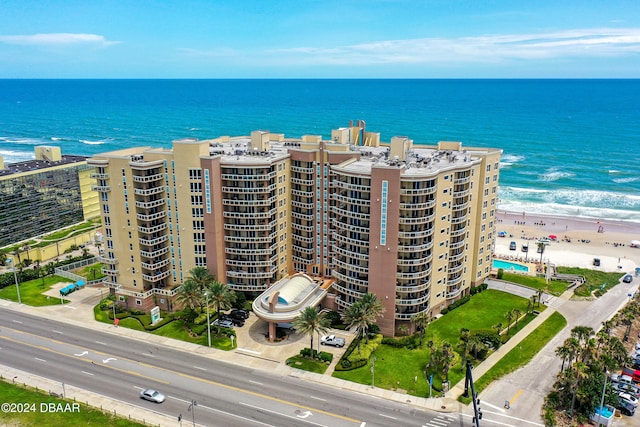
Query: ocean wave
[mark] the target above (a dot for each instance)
(613, 171)
(510, 159)
(88, 142)
(553, 174)
(21, 141)
(11, 156)
(571, 211)
(521, 190)
(623, 180)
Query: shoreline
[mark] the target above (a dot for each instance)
(578, 240)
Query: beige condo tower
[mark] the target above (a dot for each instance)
(413, 224)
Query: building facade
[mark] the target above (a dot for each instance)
(413, 224)
(43, 195)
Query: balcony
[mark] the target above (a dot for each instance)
(300, 181)
(241, 251)
(413, 301)
(351, 254)
(343, 290)
(453, 294)
(462, 180)
(409, 316)
(342, 212)
(110, 271)
(252, 239)
(351, 200)
(258, 275)
(151, 230)
(147, 178)
(155, 265)
(350, 266)
(154, 253)
(415, 234)
(459, 219)
(101, 188)
(253, 177)
(413, 288)
(148, 191)
(154, 241)
(347, 186)
(244, 215)
(247, 264)
(460, 206)
(415, 248)
(417, 220)
(250, 227)
(456, 245)
(418, 191)
(105, 260)
(414, 275)
(250, 190)
(459, 232)
(96, 175)
(151, 217)
(414, 262)
(250, 202)
(156, 277)
(150, 204)
(422, 205)
(352, 280)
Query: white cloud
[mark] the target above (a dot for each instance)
(480, 49)
(57, 39)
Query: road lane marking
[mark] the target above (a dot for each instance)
(184, 375)
(17, 321)
(519, 420)
(101, 343)
(248, 351)
(41, 360)
(297, 418)
(198, 367)
(88, 373)
(388, 416)
(515, 397)
(318, 398)
(255, 382)
(57, 332)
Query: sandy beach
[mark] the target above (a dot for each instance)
(578, 241)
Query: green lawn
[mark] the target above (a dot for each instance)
(401, 368)
(523, 352)
(594, 279)
(31, 291)
(554, 287)
(307, 364)
(90, 272)
(86, 416)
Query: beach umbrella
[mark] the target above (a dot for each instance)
(553, 236)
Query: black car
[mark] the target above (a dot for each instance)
(234, 320)
(626, 408)
(239, 313)
(628, 278)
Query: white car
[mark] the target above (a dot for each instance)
(332, 340)
(152, 395)
(627, 398)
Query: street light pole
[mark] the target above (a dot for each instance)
(15, 278)
(192, 408)
(373, 371)
(206, 295)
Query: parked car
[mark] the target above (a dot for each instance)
(239, 313)
(626, 408)
(596, 262)
(332, 340)
(285, 325)
(627, 279)
(152, 395)
(623, 379)
(628, 398)
(224, 323)
(513, 246)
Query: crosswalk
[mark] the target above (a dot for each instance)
(439, 421)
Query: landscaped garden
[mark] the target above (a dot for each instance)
(472, 330)
(553, 287)
(596, 282)
(32, 291)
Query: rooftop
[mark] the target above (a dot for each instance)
(38, 165)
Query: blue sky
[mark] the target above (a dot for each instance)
(320, 39)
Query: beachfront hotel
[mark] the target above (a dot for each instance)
(40, 196)
(414, 225)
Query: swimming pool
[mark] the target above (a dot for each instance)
(506, 265)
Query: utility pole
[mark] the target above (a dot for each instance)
(468, 384)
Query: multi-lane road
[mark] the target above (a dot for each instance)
(119, 368)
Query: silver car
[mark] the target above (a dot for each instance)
(152, 395)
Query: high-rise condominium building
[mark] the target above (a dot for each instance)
(414, 225)
(43, 195)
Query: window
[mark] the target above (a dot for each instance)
(195, 174)
(195, 187)
(196, 200)
(138, 301)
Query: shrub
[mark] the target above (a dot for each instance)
(444, 310)
(325, 356)
(334, 317)
(202, 318)
(500, 273)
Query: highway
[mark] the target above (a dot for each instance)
(119, 368)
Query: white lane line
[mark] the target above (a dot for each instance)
(439, 423)
(298, 419)
(88, 373)
(318, 398)
(41, 360)
(57, 332)
(198, 367)
(17, 321)
(100, 342)
(255, 382)
(484, 411)
(388, 416)
(221, 412)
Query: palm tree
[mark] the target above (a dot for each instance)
(579, 372)
(564, 352)
(539, 292)
(356, 317)
(310, 321)
(373, 309)
(498, 328)
(200, 277)
(421, 320)
(517, 313)
(541, 248)
(509, 316)
(3, 257)
(476, 345)
(446, 358)
(221, 296)
(432, 350)
(464, 346)
(189, 295)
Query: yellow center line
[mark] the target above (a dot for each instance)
(515, 397)
(192, 377)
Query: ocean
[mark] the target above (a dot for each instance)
(570, 147)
